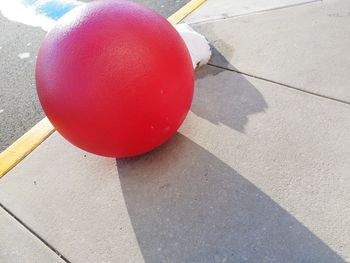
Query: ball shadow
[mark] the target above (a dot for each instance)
(186, 205)
(225, 97)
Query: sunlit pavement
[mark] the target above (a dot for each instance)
(259, 171)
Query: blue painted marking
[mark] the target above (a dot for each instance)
(42, 13)
(53, 9)
(29, 2)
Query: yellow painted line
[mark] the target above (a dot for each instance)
(185, 11)
(24, 145)
(10, 157)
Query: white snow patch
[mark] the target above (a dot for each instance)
(16, 11)
(24, 55)
(197, 44)
(1, 111)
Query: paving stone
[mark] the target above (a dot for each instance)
(304, 46)
(73, 200)
(221, 9)
(257, 173)
(17, 244)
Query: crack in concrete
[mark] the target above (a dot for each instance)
(283, 84)
(35, 234)
(215, 19)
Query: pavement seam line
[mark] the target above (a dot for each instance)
(209, 20)
(282, 84)
(23, 146)
(35, 234)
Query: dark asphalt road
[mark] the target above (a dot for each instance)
(19, 106)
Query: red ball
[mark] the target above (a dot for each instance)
(114, 78)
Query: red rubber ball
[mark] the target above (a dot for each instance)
(114, 78)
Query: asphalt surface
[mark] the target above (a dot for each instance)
(19, 106)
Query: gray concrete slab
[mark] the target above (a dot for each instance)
(303, 46)
(222, 9)
(17, 244)
(258, 173)
(76, 206)
(165, 7)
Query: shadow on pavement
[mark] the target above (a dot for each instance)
(229, 101)
(186, 205)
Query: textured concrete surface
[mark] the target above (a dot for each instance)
(258, 173)
(222, 9)
(17, 244)
(74, 201)
(19, 107)
(304, 46)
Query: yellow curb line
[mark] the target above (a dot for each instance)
(15, 153)
(24, 145)
(185, 11)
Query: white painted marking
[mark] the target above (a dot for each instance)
(24, 55)
(28, 44)
(1, 111)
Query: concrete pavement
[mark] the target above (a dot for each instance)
(215, 192)
(304, 46)
(218, 10)
(19, 245)
(259, 172)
